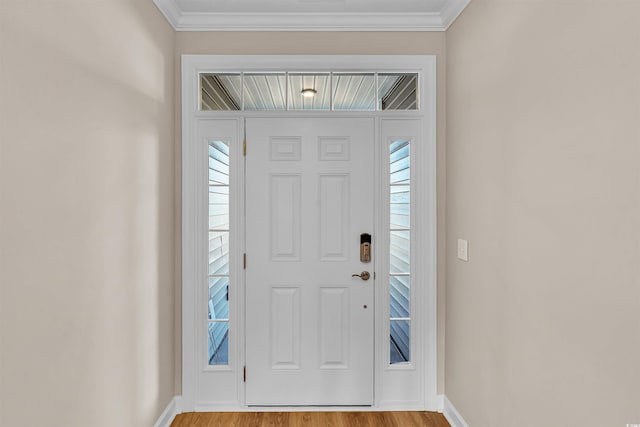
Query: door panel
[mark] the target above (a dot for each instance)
(309, 196)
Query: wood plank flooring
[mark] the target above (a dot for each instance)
(310, 419)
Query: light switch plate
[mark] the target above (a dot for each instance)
(463, 250)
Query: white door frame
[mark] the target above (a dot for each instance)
(387, 377)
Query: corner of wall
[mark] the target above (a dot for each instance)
(451, 413)
(169, 414)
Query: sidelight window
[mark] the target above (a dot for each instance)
(399, 251)
(218, 261)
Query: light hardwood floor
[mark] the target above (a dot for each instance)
(310, 419)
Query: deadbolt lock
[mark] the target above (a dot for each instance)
(365, 247)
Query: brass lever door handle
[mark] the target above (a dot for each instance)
(364, 275)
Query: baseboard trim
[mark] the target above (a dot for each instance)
(443, 403)
(169, 413)
(451, 413)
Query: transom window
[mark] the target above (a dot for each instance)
(323, 91)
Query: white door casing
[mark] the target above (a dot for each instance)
(207, 388)
(309, 323)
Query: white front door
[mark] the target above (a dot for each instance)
(309, 323)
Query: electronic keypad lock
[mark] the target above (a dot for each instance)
(365, 247)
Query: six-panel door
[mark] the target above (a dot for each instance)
(309, 197)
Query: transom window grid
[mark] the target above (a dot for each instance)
(399, 251)
(218, 259)
(334, 91)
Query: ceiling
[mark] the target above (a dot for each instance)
(311, 15)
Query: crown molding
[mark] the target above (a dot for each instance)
(451, 10)
(170, 10)
(208, 21)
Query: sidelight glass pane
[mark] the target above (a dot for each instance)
(219, 196)
(400, 221)
(220, 92)
(399, 252)
(400, 162)
(399, 341)
(218, 298)
(400, 212)
(398, 91)
(218, 343)
(400, 194)
(218, 163)
(400, 301)
(218, 208)
(218, 253)
(400, 207)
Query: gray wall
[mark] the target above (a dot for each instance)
(543, 178)
(541, 122)
(86, 226)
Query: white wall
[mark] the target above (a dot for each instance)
(86, 226)
(543, 178)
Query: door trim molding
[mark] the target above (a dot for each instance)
(191, 189)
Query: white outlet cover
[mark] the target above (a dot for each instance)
(463, 250)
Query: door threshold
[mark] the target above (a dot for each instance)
(311, 408)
